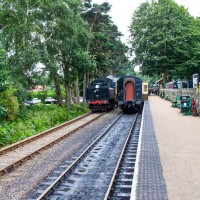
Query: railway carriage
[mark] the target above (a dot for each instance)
(129, 94)
(101, 95)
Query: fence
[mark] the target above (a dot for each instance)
(171, 94)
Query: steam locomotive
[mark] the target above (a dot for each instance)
(101, 95)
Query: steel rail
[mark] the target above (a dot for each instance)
(50, 189)
(17, 163)
(39, 135)
(108, 193)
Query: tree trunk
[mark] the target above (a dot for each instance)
(88, 79)
(77, 92)
(72, 96)
(166, 78)
(67, 97)
(84, 89)
(86, 74)
(58, 91)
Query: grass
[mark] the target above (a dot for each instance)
(35, 119)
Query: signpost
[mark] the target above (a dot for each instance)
(195, 80)
(196, 96)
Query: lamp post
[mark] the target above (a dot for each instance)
(180, 87)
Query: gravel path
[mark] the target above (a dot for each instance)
(18, 184)
(178, 139)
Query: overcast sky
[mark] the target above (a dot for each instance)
(122, 10)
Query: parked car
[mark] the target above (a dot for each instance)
(33, 101)
(50, 100)
(63, 101)
(25, 103)
(74, 100)
(81, 99)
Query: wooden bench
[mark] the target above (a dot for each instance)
(176, 102)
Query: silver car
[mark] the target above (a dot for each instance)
(33, 101)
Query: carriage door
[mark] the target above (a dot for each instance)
(129, 96)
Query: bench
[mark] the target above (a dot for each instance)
(186, 105)
(162, 94)
(166, 97)
(176, 102)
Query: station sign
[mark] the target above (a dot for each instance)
(195, 80)
(144, 88)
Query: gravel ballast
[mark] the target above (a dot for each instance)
(20, 183)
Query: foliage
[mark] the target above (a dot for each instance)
(3, 70)
(20, 92)
(57, 42)
(41, 95)
(9, 106)
(35, 119)
(105, 45)
(47, 32)
(165, 39)
(44, 94)
(18, 31)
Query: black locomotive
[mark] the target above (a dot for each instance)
(129, 94)
(101, 94)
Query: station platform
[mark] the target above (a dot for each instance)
(168, 163)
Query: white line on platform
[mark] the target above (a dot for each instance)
(135, 177)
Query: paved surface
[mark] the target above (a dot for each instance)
(150, 181)
(170, 154)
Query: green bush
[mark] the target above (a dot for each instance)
(9, 104)
(44, 94)
(35, 119)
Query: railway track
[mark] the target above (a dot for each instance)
(95, 171)
(121, 182)
(15, 155)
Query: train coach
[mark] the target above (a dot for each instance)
(129, 94)
(101, 95)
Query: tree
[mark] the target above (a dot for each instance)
(105, 46)
(59, 24)
(164, 39)
(3, 70)
(18, 38)
(51, 39)
(50, 32)
(9, 106)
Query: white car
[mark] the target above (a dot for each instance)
(50, 100)
(33, 101)
(81, 99)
